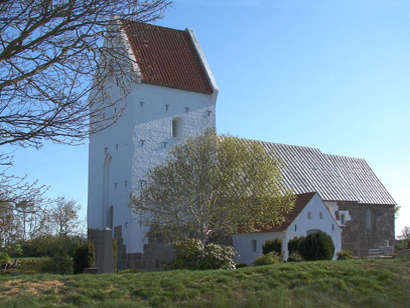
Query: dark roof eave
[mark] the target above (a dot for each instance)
(175, 87)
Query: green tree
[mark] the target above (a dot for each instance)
(212, 185)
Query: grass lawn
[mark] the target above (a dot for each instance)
(351, 283)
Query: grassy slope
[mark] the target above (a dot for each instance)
(353, 283)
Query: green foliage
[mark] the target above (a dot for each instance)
(59, 263)
(317, 246)
(192, 255)
(344, 255)
(369, 283)
(84, 257)
(293, 244)
(129, 271)
(295, 257)
(213, 185)
(268, 259)
(240, 265)
(272, 245)
(48, 245)
(4, 257)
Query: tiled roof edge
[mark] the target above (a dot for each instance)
(203, 60)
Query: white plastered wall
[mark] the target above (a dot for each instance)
(243, 242)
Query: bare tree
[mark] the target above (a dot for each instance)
(49, 52)
(63, 218)
(22, 209)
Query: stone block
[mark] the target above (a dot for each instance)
(147, 256)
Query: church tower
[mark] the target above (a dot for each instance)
(172, 100)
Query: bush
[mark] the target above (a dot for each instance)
(345, 255)
(239, 265)
(84, 257)
(272, 245)
(293, 244)
(268, 259)
(190, 254)
(60, 263)
(4, 257)
(295, 257)
(317, 246)
(48, 245)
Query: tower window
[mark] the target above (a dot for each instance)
(309, 215)
(176, 127)
(320, 215)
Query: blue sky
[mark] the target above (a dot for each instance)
(328, 74)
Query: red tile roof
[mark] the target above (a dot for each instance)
(167, 57)
(301, 201)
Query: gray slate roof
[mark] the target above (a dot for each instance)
(334, 178)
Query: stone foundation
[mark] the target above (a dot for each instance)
(155, 253)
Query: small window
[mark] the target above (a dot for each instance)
(176, 128)
(333, 227)
(343, 218)
(296, 228)
(320, 215)
(309, 215)
(254, 245)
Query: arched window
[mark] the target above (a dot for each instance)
(110, 217)
(176, 127)
(311, 231)
(369, 220)
(106, 190)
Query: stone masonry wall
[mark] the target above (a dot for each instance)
(356, 238)
(156, 252)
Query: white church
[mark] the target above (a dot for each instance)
(174, 99)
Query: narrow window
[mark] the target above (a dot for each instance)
(369, 221)
(320, 215)
(254, 245)
(333, 227)
(342, 218)
(296, 228)
(176, 128)
(309, 215)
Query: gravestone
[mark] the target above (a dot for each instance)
(387, 250)
(106, 254)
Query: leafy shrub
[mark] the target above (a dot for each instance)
(4, 257)
(317, 246)
(239, 265)
(60, 263)
(84, 257)
(408, 244)
(295, 257)
(48, 245)
(272, 245)
(129, 271)
(271, 258)
(345, 255)
(293, 244)
(191, 254)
